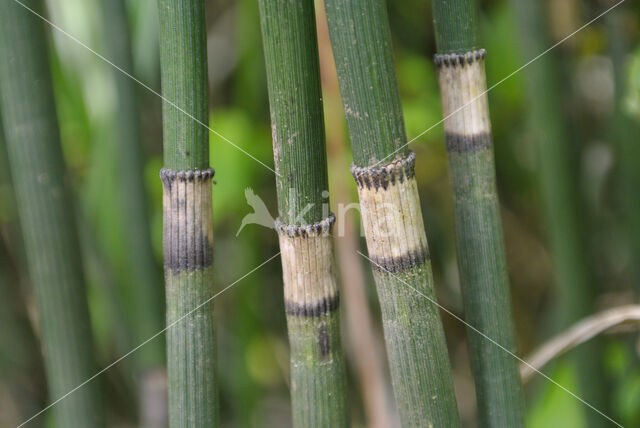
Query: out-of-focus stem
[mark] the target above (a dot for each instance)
(148, 297)
(46, 215)
(559, 190)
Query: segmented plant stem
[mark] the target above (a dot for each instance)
(318, 384)
(188, 226)
(46, 215)
(478, 228)
(390, 205)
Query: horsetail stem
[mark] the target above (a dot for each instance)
(188, 225)
(478, 227)
(46, 217)
(391, 213)
(318, 382)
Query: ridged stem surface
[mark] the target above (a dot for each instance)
(560, 195)
(183, 69)
(46, 216)
(361, 42)
(147, 294)
(624, 131)
(390, 206)
(295, 105)
(399, 254)
(318, 379)
(21, 368)
(455, 25)
(188, 225)
(481, 256)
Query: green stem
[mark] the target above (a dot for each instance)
(48, 224)
(188, 226)
(183, 69)
(20, 359)
(478, 228)
(392, 217)
(361, 41)
(318, 379)
(624, 131)
(455, 25)
(148, 298)
(559, 190)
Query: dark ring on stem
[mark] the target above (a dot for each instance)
(454, 59)
(169, 176)
(322, 227)
(401, 263)
(376, 177)
(457, 143)
(313, 309)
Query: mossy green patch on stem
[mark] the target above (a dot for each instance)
(317, 371)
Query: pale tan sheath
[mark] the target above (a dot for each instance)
(310, 287)
(391, 215)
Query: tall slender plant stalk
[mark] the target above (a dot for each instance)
(318, 383)
(364, 343)
(188, 225)
(478, 227)
(148, 297)
(384, 172)
(48, 224)
(559, 191)
(20, 360)
(19, 353)
(624, 131)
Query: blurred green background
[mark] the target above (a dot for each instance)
(252, 342)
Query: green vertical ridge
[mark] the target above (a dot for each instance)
(187, 237)
(455, 25)
(318, 378)
(416, 347)
(21, 368)
(183, 58)
(295, 98)
(148, 317)
(485, 289)
(361, 42)
(46, 216)
(560, 197)
(624, 132)
(479, 241)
